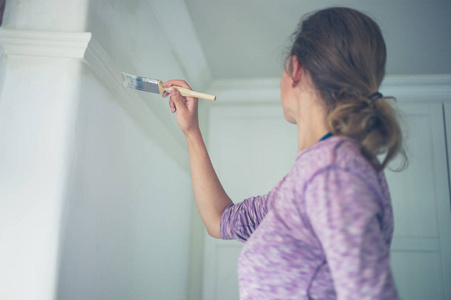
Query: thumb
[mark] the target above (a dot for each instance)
(177, 98)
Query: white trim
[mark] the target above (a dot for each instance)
(418, 87)
(404, 87)
(103, 66)
(444, 208)
(47, 44)
(2, 70)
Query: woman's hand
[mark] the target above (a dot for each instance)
(186, 107)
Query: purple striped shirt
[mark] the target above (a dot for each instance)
(323, 232)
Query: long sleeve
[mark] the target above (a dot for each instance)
(345, 214)
(238, 221)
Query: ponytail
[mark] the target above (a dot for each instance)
(372, 121)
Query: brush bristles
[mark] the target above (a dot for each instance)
(141, 83)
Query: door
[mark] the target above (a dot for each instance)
(421, 243)
(253, 147)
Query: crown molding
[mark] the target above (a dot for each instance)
(41, 43)
(428, 87)
(103, 66)
(84, 47)
(436, 87)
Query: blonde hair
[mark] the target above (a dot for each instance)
(344, 52)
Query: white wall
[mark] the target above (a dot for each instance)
(95, 198)
(128, 209)
(157, 39)
(47, 15)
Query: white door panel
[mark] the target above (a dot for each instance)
(420, 195)
(253, 147)
(417, 274)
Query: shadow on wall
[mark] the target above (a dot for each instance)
(2, 9)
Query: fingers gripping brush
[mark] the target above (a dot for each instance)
(156, 86)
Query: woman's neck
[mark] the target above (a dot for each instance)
(309, 137)
(312, 126)
(311, 113)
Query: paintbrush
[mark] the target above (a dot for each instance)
(156, 86)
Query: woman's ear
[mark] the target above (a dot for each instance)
(297, 71)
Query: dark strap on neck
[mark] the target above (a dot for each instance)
(328, 135)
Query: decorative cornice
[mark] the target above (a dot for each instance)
(47, 44)
(404, 87)
(103, 66)
(418, 87)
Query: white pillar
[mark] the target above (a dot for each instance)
(38, 104)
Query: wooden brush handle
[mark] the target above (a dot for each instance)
(190, 93)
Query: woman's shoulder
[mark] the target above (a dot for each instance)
(335, 152)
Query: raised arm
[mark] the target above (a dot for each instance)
(210, 197)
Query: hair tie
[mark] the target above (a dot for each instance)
(374, 97)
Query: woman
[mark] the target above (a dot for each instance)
(324, 231)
